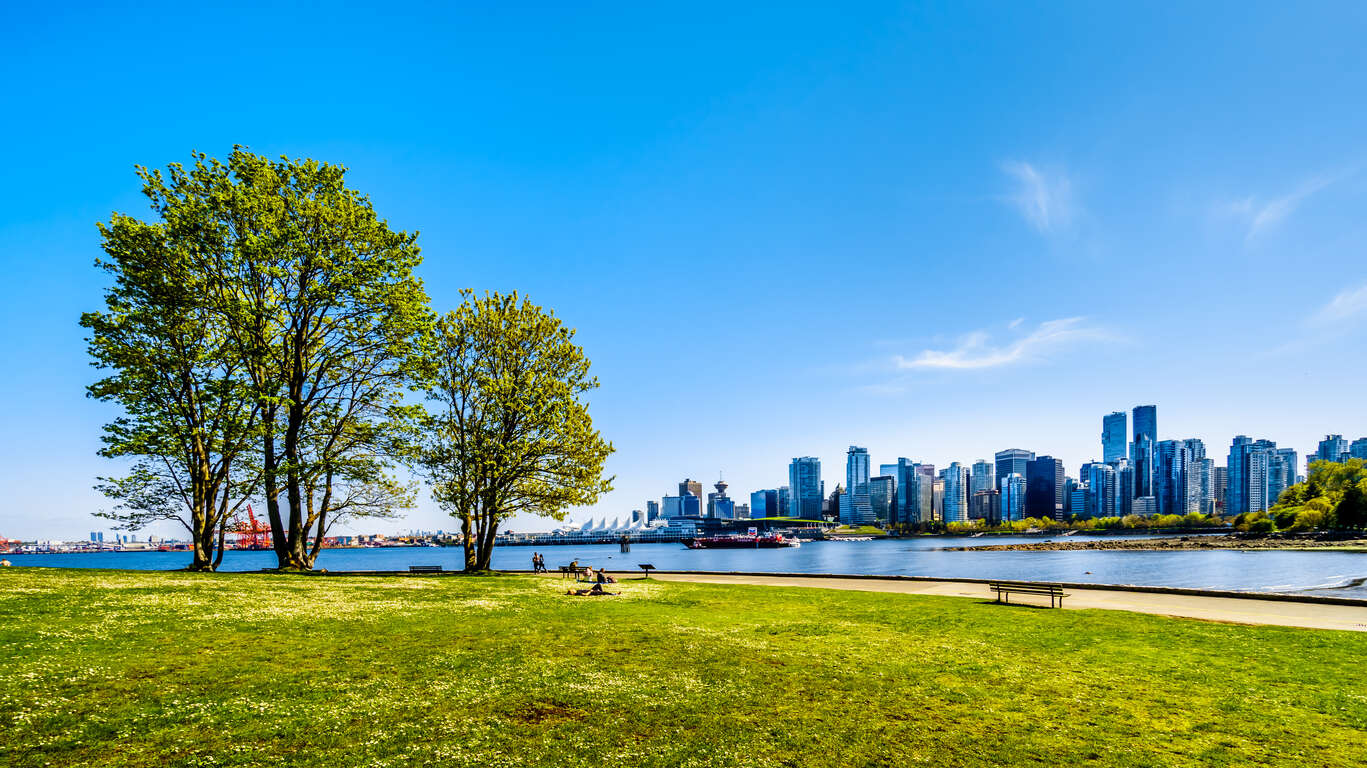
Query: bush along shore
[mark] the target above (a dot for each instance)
(1320, 540)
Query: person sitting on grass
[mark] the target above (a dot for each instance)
(594, 591)
(604, 578)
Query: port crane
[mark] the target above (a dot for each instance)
(252, 533)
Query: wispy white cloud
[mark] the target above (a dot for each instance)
(1344, 307)
(1263, 215)
(1044, 199)
(976, 350)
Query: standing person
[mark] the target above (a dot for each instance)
(540, 563)
(536, 564)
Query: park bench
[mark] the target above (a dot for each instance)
(1054, 591)
(424, 569)
(566, 571)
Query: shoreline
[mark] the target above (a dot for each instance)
(1233, 542)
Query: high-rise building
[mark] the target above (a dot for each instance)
(985, 505)
(1103, 490)
(1145, 506)
(764, 504)
(1146, 421)
(1281, 473)
(937, 489)
(718, 504)
(905, 502)
(785, 501)
(1358, 450)
(1079, 500)
(1250, 467)
(955, 478)
(1013, 497)
(686, 505)
(1012, 461)
(1203, 474)
(984, 477)
(742, 511)
(915, 492)
(690, 486)
(1124, 480)
(652, 511)
(1114, 441)
(1221, 486)
(1044, 488)
(887, 470)
(1171, 470)
(855, 507)
(1332, 448)
(804, 478)
(883, 498)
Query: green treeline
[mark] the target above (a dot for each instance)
(1334, 497)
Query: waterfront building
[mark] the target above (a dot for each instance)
(690, 486)
(1281, 473)
(1145, 506)
(904, 506)
(887, 470)
(937, 488)
(638, 517)
(883, 498)
(985, 505)
(1124, 477)
(785, 501)
(955, 479)
(1012, 461)
(1103, 491)
(1250, 466)
(742, 511)
(1358, 450)
(916, 493)
(1114, 440)
(832, 508)
(1012, 495)
(680, 506)
(719, 506)
(652, 511)
(804, 478)
(984, 477)
(764, 503)
(1221, 486)
(1332, 448)
(1203, 473)
(1146, 422)
(1079, 500)
(1171, 469)
(855, 506)
(1044, 488)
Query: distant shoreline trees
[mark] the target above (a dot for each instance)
(260, 335)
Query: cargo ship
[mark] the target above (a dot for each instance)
(741, 542)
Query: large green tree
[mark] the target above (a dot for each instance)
(320, 309)
(510, 432)
(187, 416)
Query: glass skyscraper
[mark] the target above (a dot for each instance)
(1012, 461)
(855, 507)
(1044, 488)
(1013, 497)
(804, 483)
(1114, 440)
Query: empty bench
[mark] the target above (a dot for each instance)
(424, 569)
(1006, 588)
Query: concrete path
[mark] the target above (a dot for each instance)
(1229, 609)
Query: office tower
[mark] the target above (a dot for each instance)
(638, 516)
(1200, 479)
(742, 511)
(690, 486)
(1044, 488)
(1145, 506)
(955, 478)
(1013, 497)
(1079, 500)
(1114, 441)
(785, 501)
(1142, 459)
(887, 470)
(652, 511)
(1146, 422)
(984, 477)
(1281, 473)
(985, 505)
(937, 489)
(1221, 489)
(1124, 484)
(905, 505)
(1358, 450)
(832, 508)
(804, 478)
(680, 506)
(764, 504)
(883, 497)
(1251, 463)
(1170, 477)
(1012, 461)
(1204, 472)
(920, 494)
(855, 507)
(1103, 491)
(1069, 484)
(1332, 448)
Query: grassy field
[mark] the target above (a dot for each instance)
(152, 669)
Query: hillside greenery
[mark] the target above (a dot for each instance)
(1333, 497)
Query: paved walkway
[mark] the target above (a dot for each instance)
(1230, 609)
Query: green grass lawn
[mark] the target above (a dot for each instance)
(152, 669)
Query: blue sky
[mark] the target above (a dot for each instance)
(933, 231)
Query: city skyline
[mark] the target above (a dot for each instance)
(926, 232)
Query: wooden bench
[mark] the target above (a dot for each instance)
(1054, 591)
(566, 571)
(424, 569)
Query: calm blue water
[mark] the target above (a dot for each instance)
(1331, 573)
